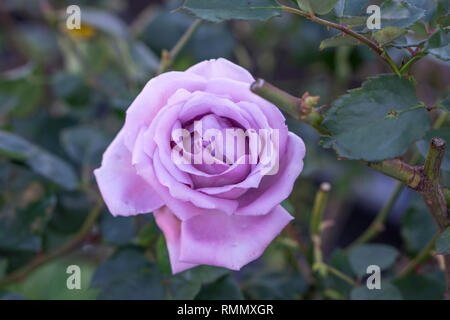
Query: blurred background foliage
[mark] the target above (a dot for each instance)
(63, 94)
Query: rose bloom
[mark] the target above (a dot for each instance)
(221, 214)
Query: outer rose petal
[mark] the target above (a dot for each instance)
(171, 227)
(229, 241)
(221, 68)
(153, 97)
(125, 193)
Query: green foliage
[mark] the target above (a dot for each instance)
(365, 255)
(424, 144)
(117, 230)
(350, 8)
(378, 121)
(387, 292)
(225, 288)
(399, 14)
(37, 159)
(428, 286)
(338, 41)
(388, 35)
(439, 45)
(217, 10)
(418, 227)
(443, 243)
(22, 231)
(317, 6)
(276, 286)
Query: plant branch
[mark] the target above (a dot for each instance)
(377, 224)
(371, 44)
(423, 255)
(290, 104)
(68, 246)
(167, 57)
(320, 202)
(405, 68)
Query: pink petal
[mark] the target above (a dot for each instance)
(229, 241)
(171, 227)
(274, 189)
(125, 193)
(221, 68)
(153, 97)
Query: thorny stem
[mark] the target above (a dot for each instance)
(432, 194)
(71, 244)
(167, 57)
(320, 202)
(377, 225)
(290, 104)
(371, 44)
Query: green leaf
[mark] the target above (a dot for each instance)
(144, 285)
(276, 286)
(226, 288)
(424, 144)
(350, 8)
(399, 14)
(39, 160)
(120, 265)
(378, 121)
(417, 227)
(53, 277)
(219, 10)
(187, 284)
(71, 88)
(3, 266)
(387, 292)
(317, 6)
(388, 34)
(365, 255)
(422, 287)
(84, 144)
(339, 260)
(117, 230)
(22, 90)
(206, 274)
(182, 288)
(148, 234)
(163, 256)
(22, 230)
(338, 41)
(439, 45)
(429, 6)
(443, 243)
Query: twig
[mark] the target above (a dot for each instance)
(71, 244)
(167, 57)
(377, 224)
(341, 275)
(292, 105)
(423, 255)
(371, 44)
(320, 202)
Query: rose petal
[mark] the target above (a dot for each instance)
(153, 97)
(274, 189)
(171, 227)
(221, 68)
(229, 241)
(125, 193)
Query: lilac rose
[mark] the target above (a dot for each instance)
(223, 212)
